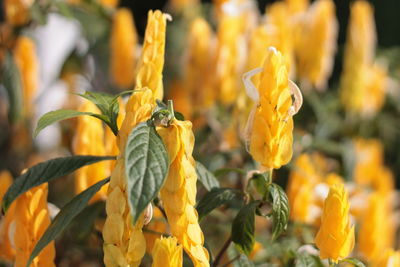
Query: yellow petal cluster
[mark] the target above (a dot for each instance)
(179, 191)
(369, 169)
(122, 48)
(315, 52)
(302, 181)
(167, 253)
(296, 6)
(152, 59)
(31, 218)
(271, 136)
(276, 32)
(28, 66)
(377, 228)
(230, 61)
(335, 238)
(363, 82)
(7, 251)
(124, 243)
(89, 140)
(390, 258)
(17, 11)
(197, 74)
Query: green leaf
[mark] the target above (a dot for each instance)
(207, 179)
(65, 216)
(146, 167)
(280, 209)
(55, 116)
(243, 228)
(12, 83)
(45, 172)
(354, 261)
(101, 100)
(308, 260)
(216, 198)
(108, 106)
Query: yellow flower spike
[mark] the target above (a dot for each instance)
(198, 76)
(335, 238)
(123, 47)
(231, 44)
(280, 31)
(317, 45)
(369, 169)
(152, 59)
(275, 32)
(124, 243)
(31, 218)
(389, 258)
(7, 251)
(89, 140)
(375, 89)
(271, 124)
(17, 11)
(369, 156)
(377, 228)
(363, 83)
(296, 6)
(167, 253)
(28, 66)
(179, 191)
(302, 182)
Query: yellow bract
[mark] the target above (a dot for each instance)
(197, 74)
(363, 82)
(231, 45)
(317, 44)
(89, 140)
(271, 136)
(124, 243)
(167, 253)
(377, 228)
(31, 217)
(28, 66)
(296, 6)
(179, 191)
(335, 238)
(123, 48)
(152, 59)
(302, 181)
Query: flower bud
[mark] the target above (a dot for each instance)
(335, 238)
